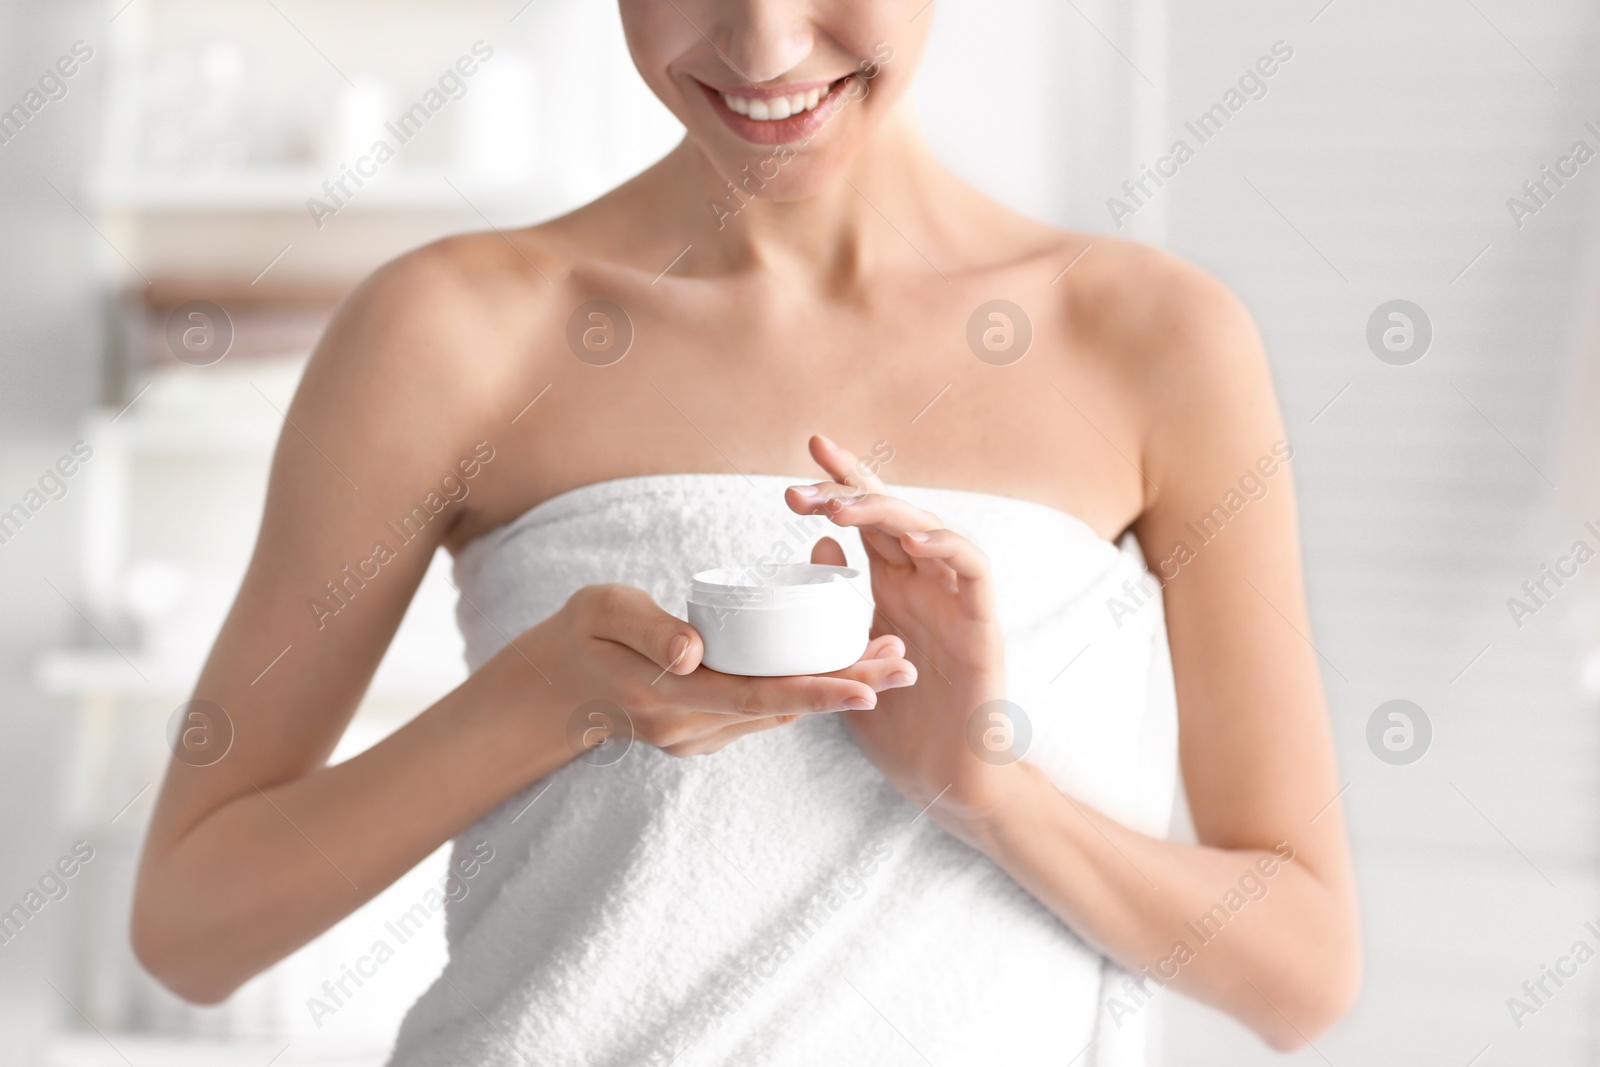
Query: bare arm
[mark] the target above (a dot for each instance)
(1259, 918)
(264, 849)
(253, 856)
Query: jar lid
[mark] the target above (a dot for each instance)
(765, 585)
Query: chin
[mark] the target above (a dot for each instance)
(782, 174)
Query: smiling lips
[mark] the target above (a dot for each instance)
(769, 109)
(776, 116)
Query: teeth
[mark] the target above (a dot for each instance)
(769, 109)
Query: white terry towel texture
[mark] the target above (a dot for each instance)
(778, 903)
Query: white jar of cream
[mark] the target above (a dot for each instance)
(797, 618)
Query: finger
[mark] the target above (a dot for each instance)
(843, 465)
(936, 571)
(817, 500)
(827, 551)
(888, 673)
(964, 558)
(885, 646)
(855, 688)
(721, 737)
(761, 698)
(848, 507)
(627, 616)
(882, 519)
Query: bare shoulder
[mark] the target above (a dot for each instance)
(1159, 314)
(448, 316)
(1182, 347)
(415, 373)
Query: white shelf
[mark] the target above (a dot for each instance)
(288, 189)
(250, 437)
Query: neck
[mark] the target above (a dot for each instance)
(862, 218)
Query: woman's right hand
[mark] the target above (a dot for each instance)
(614, 643)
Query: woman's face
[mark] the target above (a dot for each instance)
(780, 95)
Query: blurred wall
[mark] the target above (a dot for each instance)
(50, 333)
(1031, 101)
(1379, 167)
(49, 293)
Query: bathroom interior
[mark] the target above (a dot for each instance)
(192, 160)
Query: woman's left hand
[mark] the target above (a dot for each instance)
(933, 589)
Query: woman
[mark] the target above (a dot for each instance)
(855, 867)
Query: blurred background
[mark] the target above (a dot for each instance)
(1407, 204)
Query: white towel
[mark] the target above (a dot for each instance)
(778, 902)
